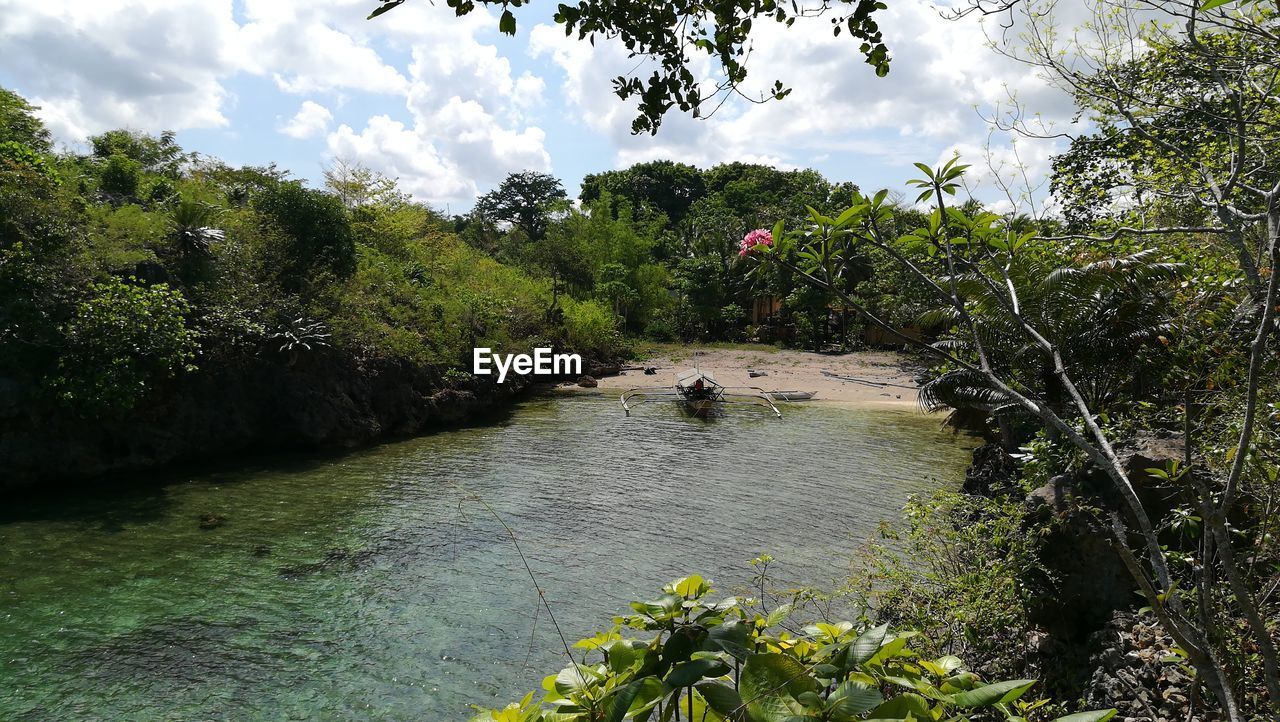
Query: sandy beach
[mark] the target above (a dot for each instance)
(883, 375)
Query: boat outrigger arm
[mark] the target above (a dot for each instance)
(699, 392)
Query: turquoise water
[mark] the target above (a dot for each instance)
(374, 585)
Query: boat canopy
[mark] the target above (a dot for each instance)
(687, 379)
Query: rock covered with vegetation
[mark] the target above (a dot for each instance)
(158, 305)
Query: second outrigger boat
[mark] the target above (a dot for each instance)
(699, 393)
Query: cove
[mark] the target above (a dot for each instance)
(374, 585)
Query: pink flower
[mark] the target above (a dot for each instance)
(758, 237)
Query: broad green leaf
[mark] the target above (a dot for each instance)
(690, 587)
(868, 643)
(722, 698)
(769, 684)
(732, 637)
(507, 23)
(600, 640)
(622, 655)
(1095, 716)
(571, 680)
(685, 674)
(778, 615)
(997, 693)
(636, 694)
(902, 706)
(851, 699)
(1214, 4)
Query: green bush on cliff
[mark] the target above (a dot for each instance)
(122, 339)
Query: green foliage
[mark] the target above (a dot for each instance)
(17, 153)
(963, 571)
(591, 327)
(191, 229)
(121, 340)
(720, 29)
(523, 200)
(734, 660)
(659, 187)
(120, 177)
(19, 124)
(155, 154)
(315, 235)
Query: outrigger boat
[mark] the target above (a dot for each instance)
(699, 393)
(792, 395)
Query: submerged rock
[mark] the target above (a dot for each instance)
(209, 520)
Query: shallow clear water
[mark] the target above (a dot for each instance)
(374, 585)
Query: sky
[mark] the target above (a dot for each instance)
(449, 107)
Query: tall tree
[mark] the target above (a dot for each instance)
(524, 200)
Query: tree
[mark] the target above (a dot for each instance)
(356, 184)
(19, 124)
(672, 36)
(192, 231)
(154, 154)
(1187, 107)
(564, 255)
(316, 233)
(524, 200)
(965, 262)
(659, 186)
(121, 338)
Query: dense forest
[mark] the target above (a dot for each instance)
(138, 264)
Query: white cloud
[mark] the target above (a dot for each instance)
(468, 109)
(388, 146)
(942, 70)
(310, 47)
(148, 64)
(470, 114)
(311, 120)
(167, 64)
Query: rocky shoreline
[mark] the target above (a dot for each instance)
(1090, 640)
(326, 400)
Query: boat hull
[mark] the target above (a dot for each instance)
(698, 407)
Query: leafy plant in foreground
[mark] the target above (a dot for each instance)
(728, 661)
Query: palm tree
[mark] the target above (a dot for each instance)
(1102, 316)
(190, 228)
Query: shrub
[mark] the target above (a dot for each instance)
(733, 660)
(958, 573)
(121, 338)
(592, 328)
(315, 235)
(120, 177)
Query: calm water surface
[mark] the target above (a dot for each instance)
(375, 586)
